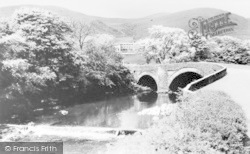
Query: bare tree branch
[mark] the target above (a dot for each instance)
(81, 31)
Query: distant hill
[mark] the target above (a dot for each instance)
(180, 20)
(138, 28)
(96, 22)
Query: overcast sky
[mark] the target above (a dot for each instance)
(137, 8)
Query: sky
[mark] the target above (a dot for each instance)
(137, 8)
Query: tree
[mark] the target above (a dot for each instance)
(39, 63)
(102, 68)
(35, 58)
(167, 44)
(35, 48)
(202, 48)
(81, 31)
(230, 50)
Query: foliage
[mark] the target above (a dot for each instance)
(101, 40)
(167, 44)
(81, 31)
(202, 50)
(173, 45)
(206, 122)
(39, 61)
(230, 50)
(35, 49)
(102, 71)
(39, 49)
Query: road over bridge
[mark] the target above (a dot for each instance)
(171, 77)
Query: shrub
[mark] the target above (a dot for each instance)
(230, 50)
(206, 122)
(202, 50)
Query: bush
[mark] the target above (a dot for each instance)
(202, 50)
(206, 122)
(230, 50)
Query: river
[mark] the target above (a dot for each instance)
(123, 111)
(116, 112)
(69, 124)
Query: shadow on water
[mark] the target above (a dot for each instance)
(110, 112)
(149, 97)
(15, 113)
(117, 111)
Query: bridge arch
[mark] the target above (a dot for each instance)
(149, 80)
(183, 77)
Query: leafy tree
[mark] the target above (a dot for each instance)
(202, 50)
(35, 48)
(102, 68)
(167, 44)
(40, 62)
(230, 50)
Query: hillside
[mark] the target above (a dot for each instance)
(138, 28)
(96, 22)
(180, 20)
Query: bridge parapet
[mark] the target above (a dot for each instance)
(205, 67)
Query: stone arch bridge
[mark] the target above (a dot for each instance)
(171, 77)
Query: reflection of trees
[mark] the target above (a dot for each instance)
(111, 112)
(15, 112)
(150, 98)
(102, 113)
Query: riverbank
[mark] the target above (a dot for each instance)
(202, 122)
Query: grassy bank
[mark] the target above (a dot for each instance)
(205, 122)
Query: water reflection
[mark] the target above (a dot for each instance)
(111, 112)
(150, 98)
(15, 112)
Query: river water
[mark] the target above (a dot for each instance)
(110, 112)
(115, 112)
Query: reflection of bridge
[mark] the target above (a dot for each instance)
(170, 77)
